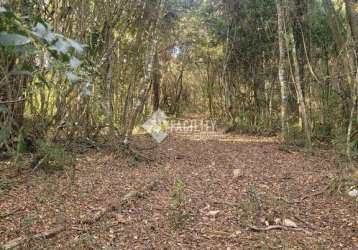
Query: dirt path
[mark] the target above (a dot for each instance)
(197, 202)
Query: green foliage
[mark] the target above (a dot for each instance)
(51, 157)
(134, 160)
(354, 138)
(249, 123)
(340, 143)
(178, 216)
(253, 197)
(323, 132)
(5, 130)
(250, 206)
(6, 184)
(227, 52)
(16, 33)
(21, 146)
(347, 180)
(321, 33)
(42, 199)
(178, 197)
(30, 50)
(4, 134)
(179, 219)
(26, 222)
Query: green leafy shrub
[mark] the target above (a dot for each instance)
(6, 184)
(340, 143)
(178, 216)
(178, 197)
(51, 157)
(28, 41)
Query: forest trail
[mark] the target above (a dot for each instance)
(79, 78)
(209, 189)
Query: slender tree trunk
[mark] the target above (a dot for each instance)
(352, 13)
(146, 80)
(156, 82)
(299, 28)
(144, 91)
(300, 97)
(282, 71)
(179, 91)
(352, 116)
(209, 84)
(351, 7)
(340, 42)
(230, 104)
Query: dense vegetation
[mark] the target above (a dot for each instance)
(77, 70)
(272, 83)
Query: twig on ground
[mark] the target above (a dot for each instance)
(43, 159)
(79, 229)
(305, 222)
(299, 200)
(288, 201)
(314, 194)
(5, 215)
(22, 239)
(12, 101)
(268, 228)
(129, 151)
(286, 150)
(145, 148)
(131, 196)
(277, 227)
(217, 232)
(226, 203)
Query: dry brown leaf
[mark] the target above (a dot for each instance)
(278, 221)
(289, 223)
(237, 173)
(213, 213)
(120, 219)
(353, 193)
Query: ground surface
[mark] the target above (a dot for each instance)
(209, 189)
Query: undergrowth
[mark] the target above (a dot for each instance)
(51, 157)
(178, 217)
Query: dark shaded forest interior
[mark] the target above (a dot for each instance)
(179, 124)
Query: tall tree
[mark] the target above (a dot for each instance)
(352, 14)
(156, 82)
(155, 10)
(299, 92)
(281, 13)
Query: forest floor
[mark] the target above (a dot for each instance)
(202, 191)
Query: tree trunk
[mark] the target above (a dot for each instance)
(144, 91)
(156, 82)
(340, 42)
(299, 28)
(230, 104)
(178, 92)
(282, 71)
(300, 97)
(146, 80)
(352, 15)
